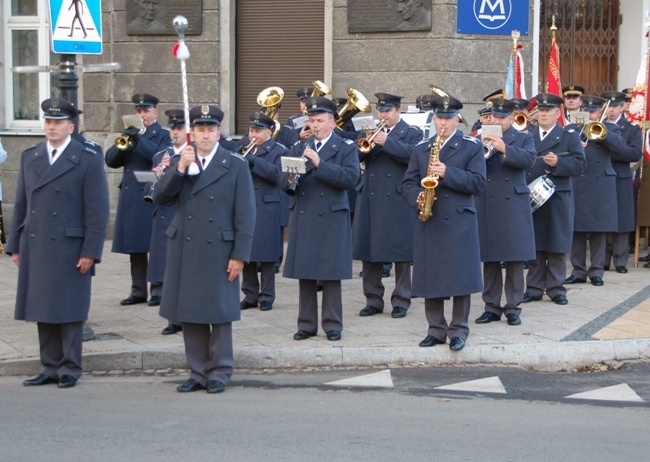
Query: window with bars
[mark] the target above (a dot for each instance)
(26, 43)
(587, 38)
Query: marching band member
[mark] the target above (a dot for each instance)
(163, 214)
(447, 245)
(383, 225)
(560, 156)
(264, 161)
(572, 99)
(595, 199)
(505, 217)
(631, 133)
(320, 235)
(210, 238)
(133, 223)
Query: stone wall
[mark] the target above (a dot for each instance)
(406, 63)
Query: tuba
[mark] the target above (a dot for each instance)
(270, 99)
(320, 89)
(429, 183)
(356, 103)
(365, 145)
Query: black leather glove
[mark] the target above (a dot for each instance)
(133, 133)
(251, 161)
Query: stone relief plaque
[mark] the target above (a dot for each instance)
(388, 15)
(154, 17)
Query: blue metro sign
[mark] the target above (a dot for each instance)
(497, 17)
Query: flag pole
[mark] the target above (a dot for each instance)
(515, 37)
(182, 53)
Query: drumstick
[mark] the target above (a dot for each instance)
(557, 154)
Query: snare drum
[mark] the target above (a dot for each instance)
(541, 189)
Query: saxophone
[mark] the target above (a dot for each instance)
(429, 183)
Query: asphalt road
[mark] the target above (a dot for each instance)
(301, 415)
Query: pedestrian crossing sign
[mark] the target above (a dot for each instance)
(76, 26)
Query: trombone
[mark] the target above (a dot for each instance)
(596, 131)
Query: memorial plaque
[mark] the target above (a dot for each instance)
(154, 17)
(388, 15)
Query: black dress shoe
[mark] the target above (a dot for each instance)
(560, 299)
(245, 305)
(302, 335)
(67, 381)
(319, 287)
(513, 319)
(40, 379)
(487, 317)
(574, 280)
(606, 268)
(266, 306)
(172, 329)
(214, 386)
(621, 269)
(456, 344)
(333, 335)
(430, 341)
(154, 300)
(596, 281)
(190, 386)
(398, 312)
(647, 265)
(133, 300)
(644, 258)
(528, 297)
(385, 273)
(370, 311)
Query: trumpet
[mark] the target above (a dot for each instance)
(365, 145)
(249, 147)
(488, 150)
(126, 140)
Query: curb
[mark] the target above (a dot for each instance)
(544, 357)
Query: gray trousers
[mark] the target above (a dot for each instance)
(332, 311)
(208, 351)
(262, 290)
(619, 250)
(60, 347)
(546, 273)
(597, 245)
(493, 287)
(435, 313)
(139, 262)
(373, 288)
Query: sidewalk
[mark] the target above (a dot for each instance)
(606, 323)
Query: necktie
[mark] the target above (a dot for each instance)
(388, 130)
(203, 162)
(318, 145)
(544, 135)
(54, 153)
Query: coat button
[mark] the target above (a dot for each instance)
(372, 175)
(210, 220)
(57, 190)
(322, 194)
(126, 188)
(302, 194)
(372, 194)
(507, 179)
(32, 236)
(189, 238)
(507, 197)
(302, 212)
(192, 197)
(54, 214)
(128, 171)
(597, 176)
(209, 241)
(211, 198)
(189, 217)
(33, 212)
(446, 196)
(388, 194)
(320, 214)
(446, 217)
(162, 217)
(489, 180)
(257, 188)
(388, 175)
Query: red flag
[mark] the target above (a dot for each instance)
(553, 82)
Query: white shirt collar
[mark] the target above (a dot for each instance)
(208, 158)
(59, 150)
(322, 142)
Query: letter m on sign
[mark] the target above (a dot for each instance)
(493, 8)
